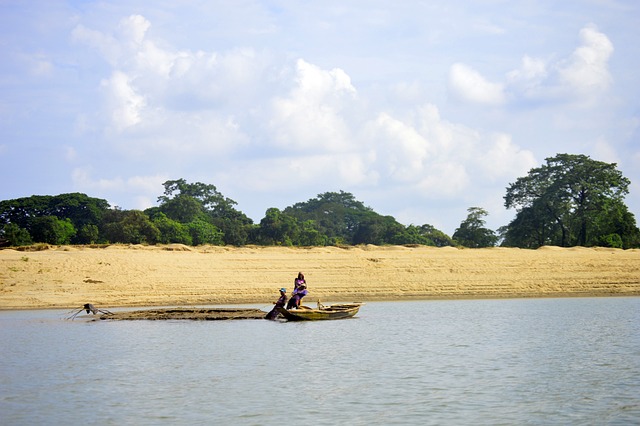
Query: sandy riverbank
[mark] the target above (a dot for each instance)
(121, 275)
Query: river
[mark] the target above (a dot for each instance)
(481, 362)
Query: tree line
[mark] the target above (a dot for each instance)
(571, 200)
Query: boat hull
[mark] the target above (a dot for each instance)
(333, 312)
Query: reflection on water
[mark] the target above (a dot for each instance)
(539, 361)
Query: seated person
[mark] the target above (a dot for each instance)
(273, 314)
(297, 296)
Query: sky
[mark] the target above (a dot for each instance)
(420, 109)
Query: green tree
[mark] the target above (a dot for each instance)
(51, 230)
(130, 227)
(188, 202)
(80, 209)
(378, 230)
(339, 216)
(278, 228)
(472, 232)
(614, 226)
(88, 234)
(335, 214)
(435, 237)
(15, 235)
(409, 235)
(529, 229)
(183, 208)
(206, 194)
(563, 202)
(234, 231)
(171, 231)
(310, 236)
(203, 232)
(426, 235)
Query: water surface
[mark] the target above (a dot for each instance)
(529, 361)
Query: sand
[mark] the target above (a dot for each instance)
(177, 275)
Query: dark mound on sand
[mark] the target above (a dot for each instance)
(197, 314)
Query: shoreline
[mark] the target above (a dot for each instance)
(130, 276)
(312, 303)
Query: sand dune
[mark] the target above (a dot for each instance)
(125, 275)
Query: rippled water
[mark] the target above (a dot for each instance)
(533, 361)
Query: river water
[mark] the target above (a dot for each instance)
(481, 362)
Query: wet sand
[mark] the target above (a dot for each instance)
(177, 275)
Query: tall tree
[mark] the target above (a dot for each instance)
(131, 227)
(50, 229)
(182, 208)
(310, 236)
(208, 195)
(377, 230)
(80, 209)
(203, 232)
(15, 236)
(278, 228)
(435, 237)
(472, 232)
(337, 215)
(171, 231)
(197, 202)
(564, 199)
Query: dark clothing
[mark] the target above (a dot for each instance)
(273, 314)
(296, 297)
(293, 302)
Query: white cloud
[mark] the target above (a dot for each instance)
(504, 159)
(319, 129)
(527, 81)
(124, 102)
(312, 115)
(82, 180)
(124, 48)
(105, 44)
(143, 188)
(354, 171)
(146, 184)
(579, 78)
(401, 150)
(249, 118)
(214, 80)
(441, 158)
(166, 102)
(467, 84)
(586, 71)
(448, 138)
(133, 28)
(446, 179)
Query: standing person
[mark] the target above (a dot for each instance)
(300, 293)
(294, 302)
(298, 280)
(273, 314)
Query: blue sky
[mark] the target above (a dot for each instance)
(421, 109)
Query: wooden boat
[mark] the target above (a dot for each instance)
(332, 312)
